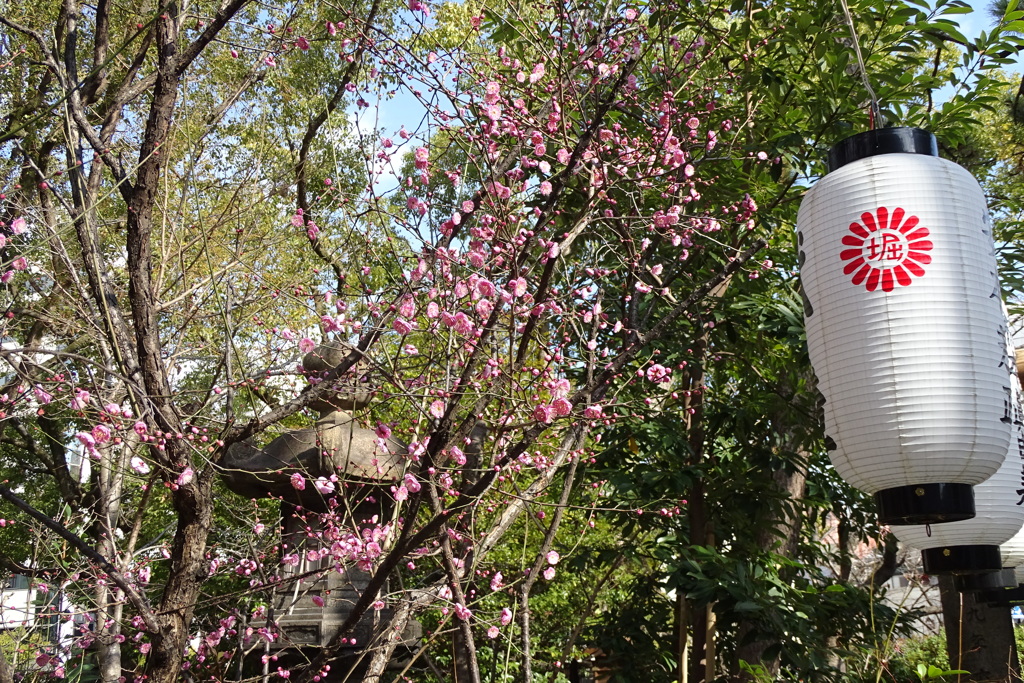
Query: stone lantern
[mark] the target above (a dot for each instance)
(335, 446)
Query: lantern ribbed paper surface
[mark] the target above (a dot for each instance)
(984, 543)
(1013, 549)
(973, 545)
(905, 332)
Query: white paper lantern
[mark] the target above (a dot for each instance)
(1012, 550)
(981, 545)
(904, 325)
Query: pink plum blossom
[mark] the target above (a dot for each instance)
(658, 373)
(437, 409)
(298, 482)
(81, 399)
(185, 477)
(561, 407)
(324, 485)
(421, 156)
(89, 443)
(101, 433)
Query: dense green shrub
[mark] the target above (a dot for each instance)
(927, 650)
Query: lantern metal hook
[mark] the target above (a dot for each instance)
(875, 114)
(928, 530)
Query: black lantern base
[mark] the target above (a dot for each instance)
(1002, 596)
(962, 559)
(926, 504)
(968, 583)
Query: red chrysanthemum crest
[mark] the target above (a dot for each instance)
(885, 250)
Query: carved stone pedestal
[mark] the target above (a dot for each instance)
(335, 449)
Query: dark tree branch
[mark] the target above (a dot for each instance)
(219, 21)
(592, 391)
(138, 600)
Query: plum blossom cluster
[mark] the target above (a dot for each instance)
(341, 547)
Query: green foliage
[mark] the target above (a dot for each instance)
(922, 658)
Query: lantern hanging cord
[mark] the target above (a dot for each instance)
(876, 112)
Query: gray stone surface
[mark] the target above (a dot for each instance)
(335, 445)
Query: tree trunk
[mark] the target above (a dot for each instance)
(979, 637)
(108, 598)
(787, 524)
(698, 613)
(682, 624)
(188, 571)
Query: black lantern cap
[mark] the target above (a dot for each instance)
(926, 504)
(1002, 596)
(962, 559)
(882, 141)
(1004, 578)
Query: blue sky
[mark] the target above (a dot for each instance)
(977, 21)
